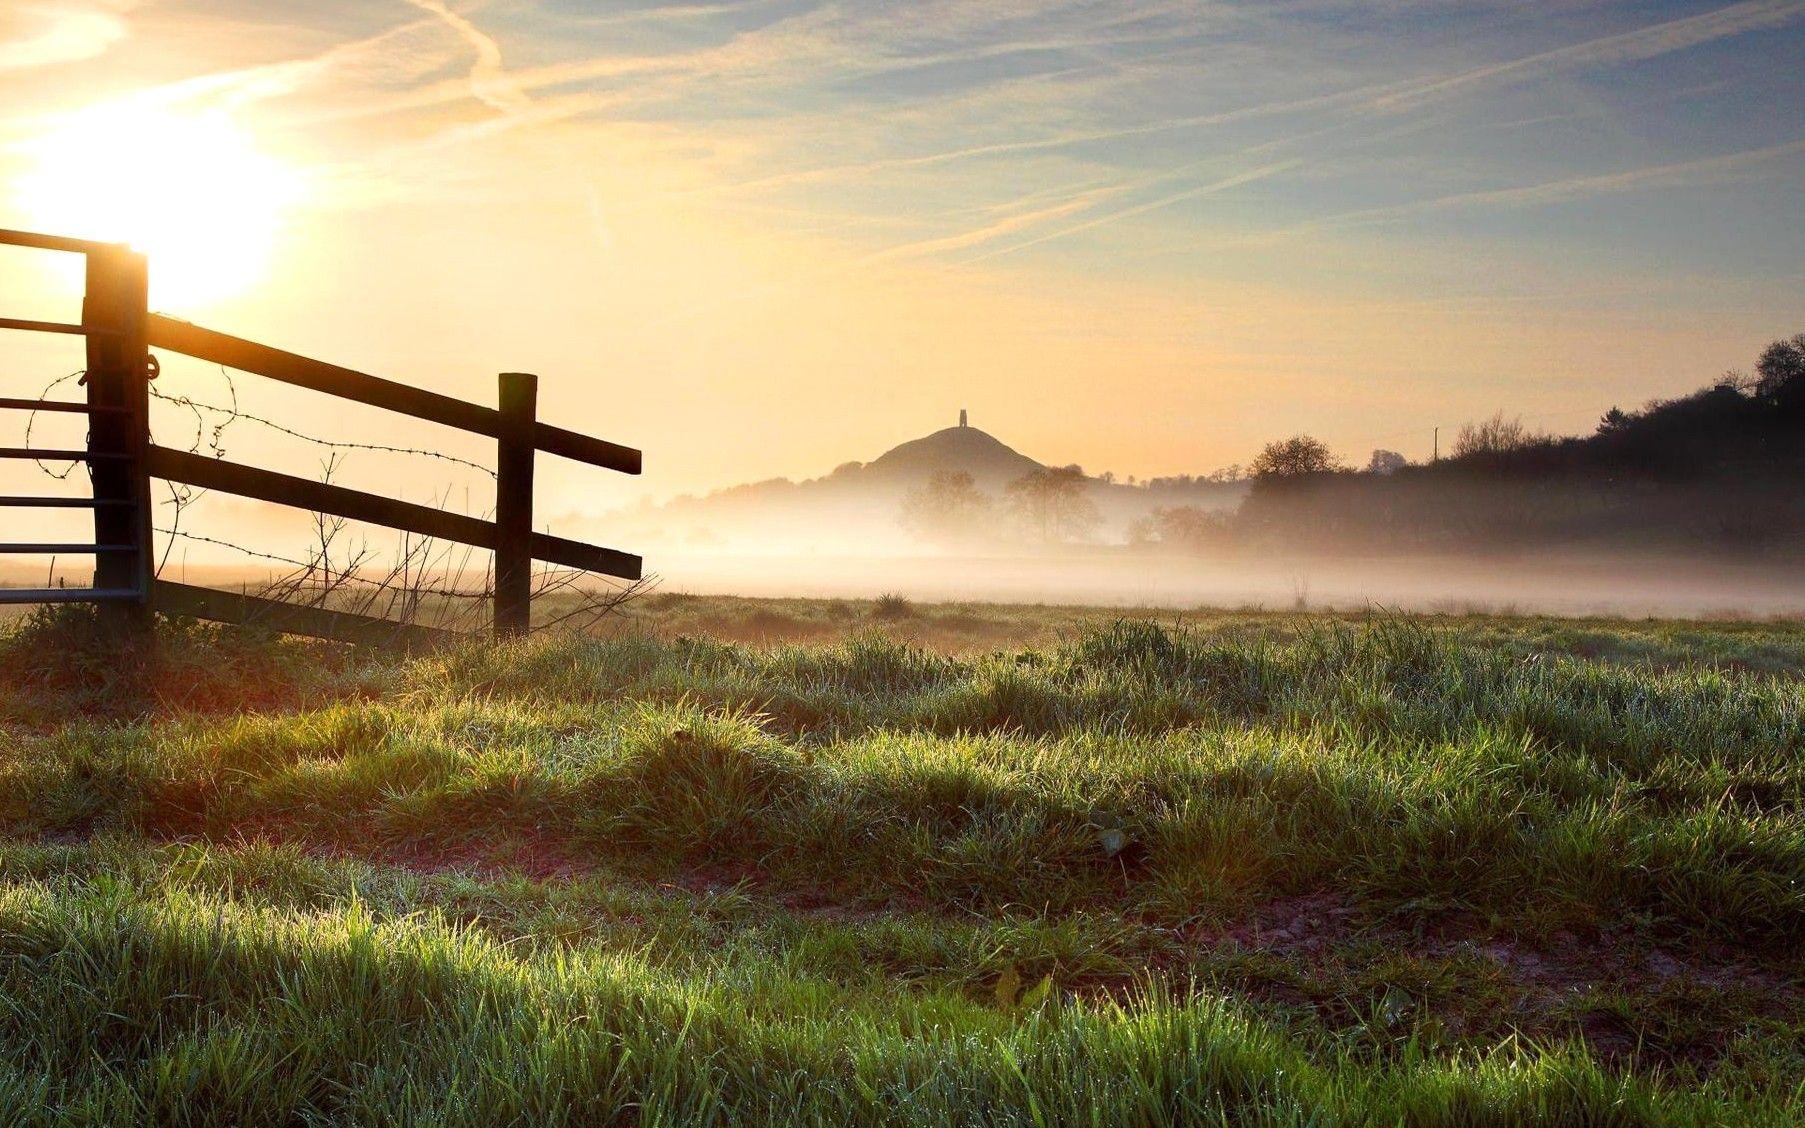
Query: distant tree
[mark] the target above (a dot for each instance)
(948, 507)
(846, 468)
(1781, 373)
(1052, 504)
(1496, 435)
(1108, 477)
(1292, 457)
(1230, 473)
(1739, 381)
(1384, 462)
(1614, 420)
(1181, 526)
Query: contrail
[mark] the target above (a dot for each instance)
(1247, 176)
(1578, 187)
(489, 83)
(1625, 47)
(990, 231)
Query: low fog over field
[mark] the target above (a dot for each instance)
(1575, 585)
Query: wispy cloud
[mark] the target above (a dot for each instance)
(1387, 98)
(341, 63)
(1221, 184)
(1065, 140)
(1639, 45)
(1720, 169)
(489, 82)
(61, 35)
(1006, 225)
(824, 43)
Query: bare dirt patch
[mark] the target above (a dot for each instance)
(1624, 993)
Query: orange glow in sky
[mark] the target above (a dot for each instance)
(764, 239)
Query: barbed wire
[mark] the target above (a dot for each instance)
(31, 421)
(294, 562)
(235, 414)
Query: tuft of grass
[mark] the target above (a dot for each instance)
(892, 608)
(59, 663)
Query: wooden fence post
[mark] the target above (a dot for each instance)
(514, 505)
(118, 381)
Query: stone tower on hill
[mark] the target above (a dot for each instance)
(963, 448)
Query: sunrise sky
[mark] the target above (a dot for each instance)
(763, 238)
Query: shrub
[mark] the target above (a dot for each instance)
(891, 607)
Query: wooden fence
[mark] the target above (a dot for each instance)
(120, 332)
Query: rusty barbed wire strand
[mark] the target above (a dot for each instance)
(295, 562)
(236, 414)
(31, 421)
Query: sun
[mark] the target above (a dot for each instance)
(192, 190)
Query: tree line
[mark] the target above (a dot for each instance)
(1050, 505)
(1724, 466)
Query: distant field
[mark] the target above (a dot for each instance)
(780, 861)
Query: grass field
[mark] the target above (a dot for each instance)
(791, 861)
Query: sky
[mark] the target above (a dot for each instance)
(763, 238)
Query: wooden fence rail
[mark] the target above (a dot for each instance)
(122, 460)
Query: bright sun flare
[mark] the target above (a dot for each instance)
(191, 190)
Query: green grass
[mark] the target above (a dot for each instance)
(1235, 869)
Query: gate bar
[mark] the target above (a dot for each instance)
(50, 455)
(67, 595)
(42, 242)
(11, 404)
(57, 502)
(55, 327)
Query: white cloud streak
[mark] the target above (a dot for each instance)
(61, 35)
(1639, 45)
(489, 81)
(1222, 184)
(1724, 168)
(996, 229)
